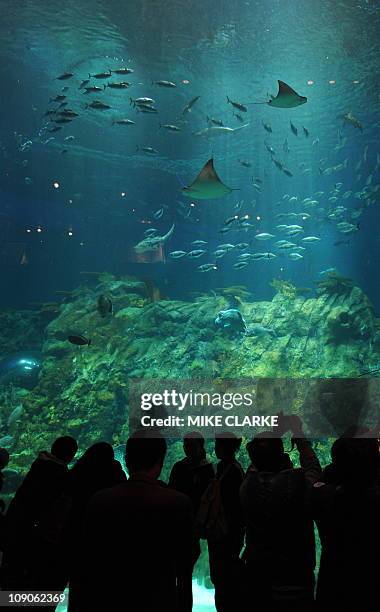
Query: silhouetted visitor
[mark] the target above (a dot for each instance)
(191, 476)
(220, 521)
(280, 549)
(96, 470)
(138, 537)
(4, 460)
(31, 561)
(347, 512)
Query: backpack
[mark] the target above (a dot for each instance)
(211, 522)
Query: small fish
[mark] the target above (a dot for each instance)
(267, 127)
(199, 242)
(69, 138)
(55, 128)
(293, 129)
(264, 236)
(295, 256)
(123, 122)
(68, 113)
(306, 131)
(231, 220)
(164, 83)
(65, 76)
(238, 117)
(177, 254)
(220, 253)
(285, 146)
(241, 246)
(207, 267)
(170, 128)
(150, 150)
(123, 70)
(196, 253)
(287, 172)
(144, 101)
(218, 122)
(270, 149)
(93, 89)
(58, 98)
(100, 75)
(158, 214)
(150, 232)
(245, 163)
(98, 105)
(240, 264)
(84, 83)
(121, 85)
(189, 105)
(310, 239)
(148, 110)
(104, 306)
(79, 340)
(241, 107)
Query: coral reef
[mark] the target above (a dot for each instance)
(84, 390)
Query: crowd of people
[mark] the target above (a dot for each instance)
(132, 542)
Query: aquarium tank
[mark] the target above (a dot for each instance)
(189, 191)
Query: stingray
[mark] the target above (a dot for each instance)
(207, 185)
(286, 97)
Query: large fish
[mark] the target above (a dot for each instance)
(153, 243)
(207, 185)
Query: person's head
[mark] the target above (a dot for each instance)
(266, 452)
(99, 453)
(226, 445)
(4, 458)
(144, 453)
(356, 460)
(194, 446)
(64, 448)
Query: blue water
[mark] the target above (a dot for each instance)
(326, 51)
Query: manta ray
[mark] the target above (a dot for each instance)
(153, 243)
(286, 97)
(207, 185)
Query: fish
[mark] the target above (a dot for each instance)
(241, 107)
(207, 185)
(264, 236)
(347, 228)
(123, 122)
(238, 117)
(123, 70)
(164, 83)
(150, 232)
(287, 172)
(58, 98)
(240, 264)
(295, 256)
(269, 149)
(55, 128)
(310, 239)
(79, 340)
(196, 253)
(207, 267)
(267, 127)
(84, 83)
(158, 214)
(97, 104)
(259, 256)
(68, 113)
(285, 146)
(226, 247)
(231, 220)
(199, 242)
(152, 243)
(65, 76)
(286, 97)
(144, 101)
(69, 138)
(350, 119)
(149, 110)
(240, 246)
(100, 75)
(121, 85)
(245, 163)
(293, 129)
(328, 271)
(104, 305)
(189, 105)
(306, 131)
(219, 130)
(15, 415)
(177, 254)
(341, 242)
(170, 128)
(150, 150)
(217, 122)
(220, 253)
(93, 89)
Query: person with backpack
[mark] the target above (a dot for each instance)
(220, 522)
(280, 550)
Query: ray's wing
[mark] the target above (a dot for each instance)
(206, 175)
(284, 89)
